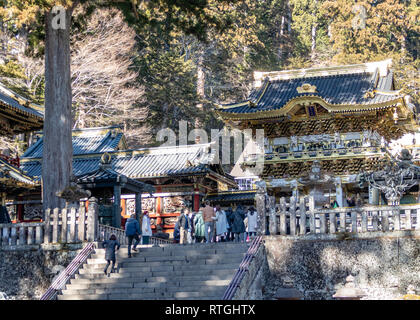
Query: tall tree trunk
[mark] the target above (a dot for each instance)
(57, 149)
(200, 89)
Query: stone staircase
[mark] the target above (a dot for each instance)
(169, 271)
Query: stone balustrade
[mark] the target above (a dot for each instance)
(68, 225)
(291, 218)
(21, 234)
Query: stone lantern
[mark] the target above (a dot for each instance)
(349, 291)
(288, 292)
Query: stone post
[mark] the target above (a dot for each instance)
(283, 218)
(93, 220)
(273, 217)
(302, 221)
(292, 215)
(260, 204)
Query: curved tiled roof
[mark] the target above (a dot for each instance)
(85, 141)
(105, 174)
(7, 171)
(142, 163)
(341, 89)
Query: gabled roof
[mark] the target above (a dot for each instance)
(105, 175)
(144, 163)
(349, 88)
(23, 115)
(86, 141)
(12, 176)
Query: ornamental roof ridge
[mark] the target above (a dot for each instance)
(368, 67)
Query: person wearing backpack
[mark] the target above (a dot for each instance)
(132, 231)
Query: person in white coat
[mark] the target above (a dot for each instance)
(221, 223)
(146, 228)
(252, 222)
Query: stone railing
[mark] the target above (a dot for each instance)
(21, 234)
(68, 225)
(298, 219)
(107, 231)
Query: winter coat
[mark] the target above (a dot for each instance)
(238, 225)
(4, 215)
(221, 222)
(182, 220)
(132, 227)
(229, 218)
(252, 221)
(110, 246)
(146, 227)
(199, 224)
(176, 231)
(208, 214)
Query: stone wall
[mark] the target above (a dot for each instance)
(27, 274)
(383, 264)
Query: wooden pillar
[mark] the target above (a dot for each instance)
(117, 207)
(159, 207)
(196, 200)
(20, 210)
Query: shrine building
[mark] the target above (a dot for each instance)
(18, 117)
(342, 119)
(166, 178)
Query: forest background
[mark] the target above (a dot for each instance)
(151, 77)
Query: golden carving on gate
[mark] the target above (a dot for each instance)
(306, 88)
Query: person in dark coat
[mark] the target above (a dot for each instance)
(4, 215)
(110, 246)
(184, 224)
(176, 232)
(229, 218)
(132, 231)
(238, 226)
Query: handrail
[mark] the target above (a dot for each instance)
(68, 273)
(243, 268)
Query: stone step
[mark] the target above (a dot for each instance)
(206, 267)
(139, 288)
(194, 295)
(214, 260)
(221, 275)
(169, 275)
(142, 282)
(141, 261)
